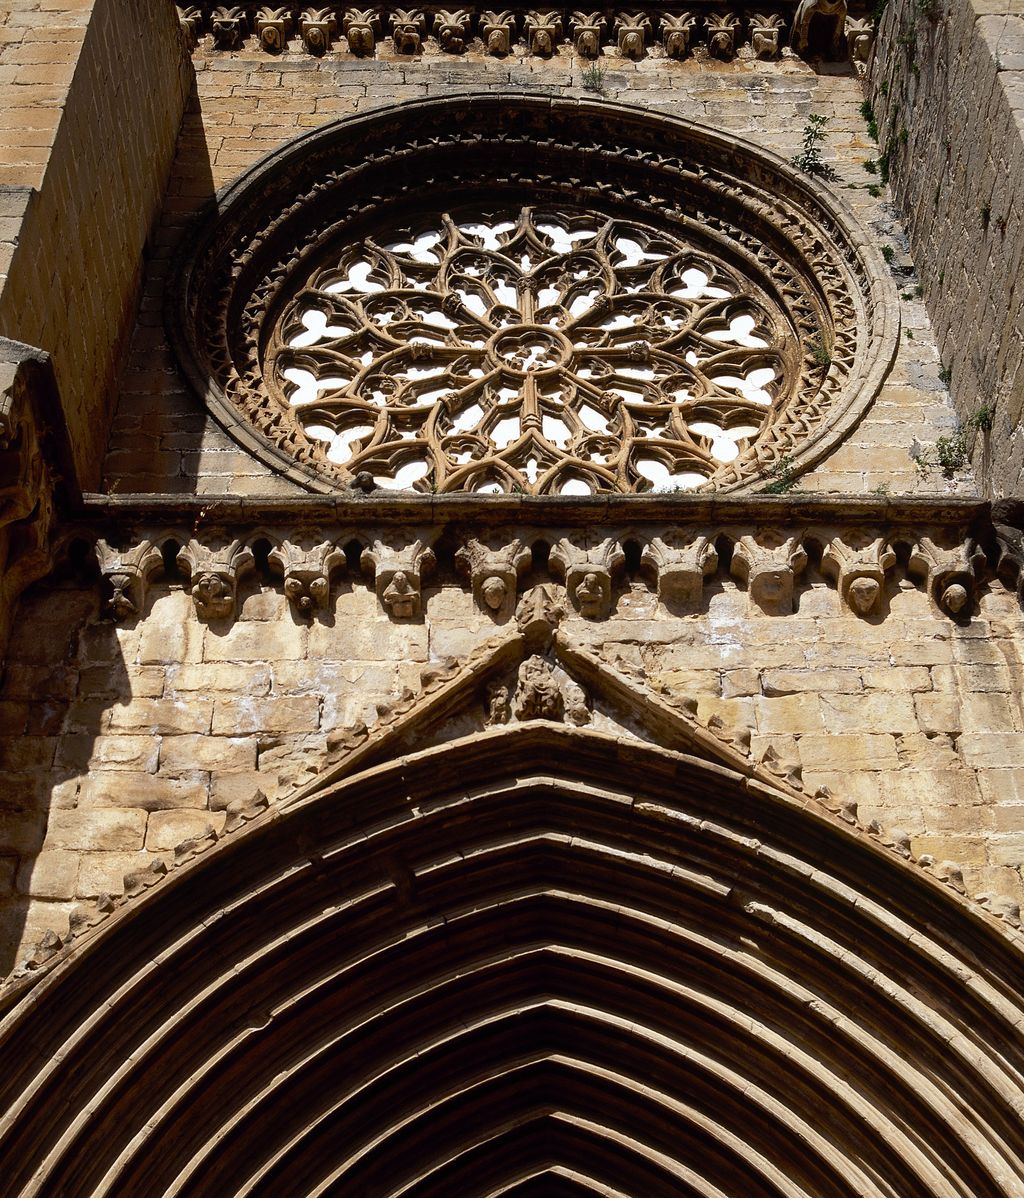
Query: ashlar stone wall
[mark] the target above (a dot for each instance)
(119, 741)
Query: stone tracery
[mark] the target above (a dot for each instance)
(533, 351)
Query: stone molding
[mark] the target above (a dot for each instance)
(676, 558)
(699, 29)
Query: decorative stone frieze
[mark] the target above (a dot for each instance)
(949, 571)
(306, 565)
(214, 565)
(681, 560)
(540, 32)
(675, 561)
(494, 570)
(768, 561)
(588, 571)
(126, 574)
(398, 563)
(857, 563)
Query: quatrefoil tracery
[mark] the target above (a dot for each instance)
(532, 350)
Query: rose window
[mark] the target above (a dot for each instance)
(531, 350)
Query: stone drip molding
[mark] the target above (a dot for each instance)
(524, 656)
(676, 559)
(701, 30)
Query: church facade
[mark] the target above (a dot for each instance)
(512, 600)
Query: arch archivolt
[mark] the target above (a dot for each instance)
(538, 955)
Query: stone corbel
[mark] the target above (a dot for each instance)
(214, 566)
(860, 37)
(494, 572)
(361, 28)
(398, 569)
(229, 25)
(273, 24)
(765, 33)
(190, 17)
(833, 12)
(126, 574)
(451, 27)
(681, 559)
(948, 572)
(768, 562)
(588, 573)
(498, 30)
(586, 29)
(722, 32)
(408, 28)
(317, 27)
(1008, 526)
(632, 29)
(676, 32)
(306, 565)
(857, 563)
(543, 31)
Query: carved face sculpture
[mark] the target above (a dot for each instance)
(494, 592)
(864, 594)
(214, 594)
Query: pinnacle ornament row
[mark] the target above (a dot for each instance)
(541, 32)
(677, 560)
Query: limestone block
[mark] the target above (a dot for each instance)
(869, 713)
(221, 676)
(96, 829)
(1002, 785)
(244, 715)
(51, 875)
(22, 754)
(146, 682)
(992, 750)
(188, 753)
(815, 681)
(120, 752)
(863, 751)
(376, 639)
(163, 716)
(103, 872)
(738, 683)
(147, 792)
(241, 787)
(256, 641)
(22, 833)
(908, 679)
(170, 633)
(937, 713)
(791, 713)
(166, 829)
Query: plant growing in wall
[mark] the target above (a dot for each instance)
(809, 160)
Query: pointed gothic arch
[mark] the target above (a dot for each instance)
(534, 960)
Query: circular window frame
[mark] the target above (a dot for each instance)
(239, 264)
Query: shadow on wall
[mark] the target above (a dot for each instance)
(63, 681)
(157, 436)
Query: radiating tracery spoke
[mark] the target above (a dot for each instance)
(534, 351)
